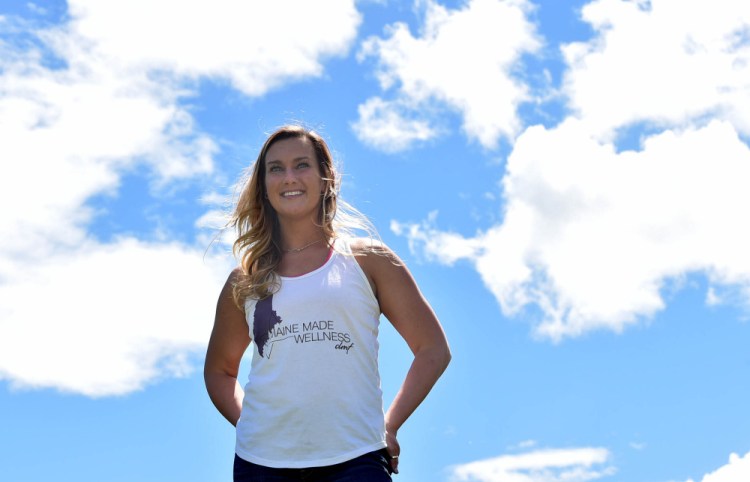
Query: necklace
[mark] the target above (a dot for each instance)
(297, 250)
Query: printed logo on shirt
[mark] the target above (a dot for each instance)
(264, 321)
(269, 329)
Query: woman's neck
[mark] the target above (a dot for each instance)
(304, 249)
(295, 236)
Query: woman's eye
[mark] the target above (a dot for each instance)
(274, 169)
(303, 165)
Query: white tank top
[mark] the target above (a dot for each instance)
(313, 395)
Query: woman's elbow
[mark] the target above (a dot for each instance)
(439, 356)
(445, 356)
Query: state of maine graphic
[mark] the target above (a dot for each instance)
(264, 319)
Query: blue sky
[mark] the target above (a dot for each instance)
(567, 182)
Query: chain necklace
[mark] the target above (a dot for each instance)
(297, 250)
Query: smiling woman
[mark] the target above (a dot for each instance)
(310, 296)
(303, 157)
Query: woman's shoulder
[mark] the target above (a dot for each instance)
(235, 275)
(365, 246)
(372, 253)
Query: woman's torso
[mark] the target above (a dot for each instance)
(313, 395)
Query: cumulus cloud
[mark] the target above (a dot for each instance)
(662, 62)
(81, 104)
(545, 465)
(465, 60)
(593, 233)
(390, 126)
(254, 45)
(107, 319)
(737, 469)
(69, 133)
(592, 236)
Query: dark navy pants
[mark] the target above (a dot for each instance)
(370, 467)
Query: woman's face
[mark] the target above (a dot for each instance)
(293, 179)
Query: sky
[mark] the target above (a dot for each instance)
(567, 182)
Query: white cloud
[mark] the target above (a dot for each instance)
(78, 315)
(463, 59)
(68, 135)
(738, 469)
(86, 102)
(592, 236)
(664, 62)
(255, 45)
(386, 125)
(444, 246)
(546, 465)
(107, 319)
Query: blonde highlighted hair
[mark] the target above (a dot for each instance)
(258, 243)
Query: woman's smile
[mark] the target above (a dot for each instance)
(291, 193)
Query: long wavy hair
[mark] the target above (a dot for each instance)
(258, 244)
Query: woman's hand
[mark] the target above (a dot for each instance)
(394, 449)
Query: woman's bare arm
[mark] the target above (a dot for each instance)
(229, 340)
(411, 315)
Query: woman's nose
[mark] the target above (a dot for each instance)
(290, 176)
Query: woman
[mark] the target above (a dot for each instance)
(310, 297)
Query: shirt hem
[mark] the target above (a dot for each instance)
(303, 464)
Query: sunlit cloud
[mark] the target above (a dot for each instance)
(594, 233)
(660, 62)
(389, 126)
(592, 237)
(256, 46)
(544, 465)
(81, 104)
(108, 319)
(448, 65)
(737, 469)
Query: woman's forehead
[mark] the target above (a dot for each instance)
(289, 149)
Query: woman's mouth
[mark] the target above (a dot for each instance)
(291, 193)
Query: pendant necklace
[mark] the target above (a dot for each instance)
(297, 250)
